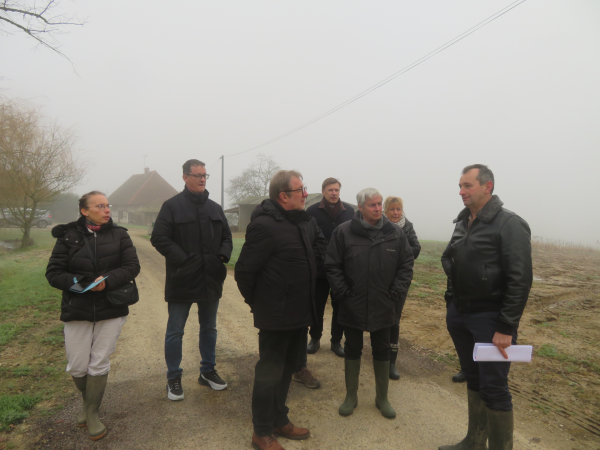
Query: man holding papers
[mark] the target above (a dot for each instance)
(489, 268)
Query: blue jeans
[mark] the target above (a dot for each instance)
(207, 317)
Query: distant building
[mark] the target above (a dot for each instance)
(246, 206)
(138, 200)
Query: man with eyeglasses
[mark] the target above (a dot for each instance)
(276, 274)
(192, 233)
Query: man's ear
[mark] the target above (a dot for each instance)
(488, 187)
(283, 197)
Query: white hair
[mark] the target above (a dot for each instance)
(365, 194)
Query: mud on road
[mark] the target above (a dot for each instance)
(431, 409)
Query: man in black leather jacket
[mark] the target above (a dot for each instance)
(276, 274)
(489, 268)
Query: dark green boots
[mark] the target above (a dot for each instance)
(93, 398)
(500, 427)
(352, 373)
(81, 383)
(382, 381)
(92, 390)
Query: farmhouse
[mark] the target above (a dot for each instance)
(138, 200)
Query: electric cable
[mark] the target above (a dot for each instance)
(390, 78)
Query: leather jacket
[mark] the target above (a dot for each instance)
(489, 266)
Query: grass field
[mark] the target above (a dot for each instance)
(32, 356)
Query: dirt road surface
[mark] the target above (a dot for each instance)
(432, 411)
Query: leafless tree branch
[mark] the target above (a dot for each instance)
(38, 20)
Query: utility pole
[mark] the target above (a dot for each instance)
(223, 182)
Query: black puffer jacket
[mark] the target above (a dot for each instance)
(369, 277)
(192, 233)
(489, 267)
(277, 268)
(115, 258)
(411, 235)
(327, 223)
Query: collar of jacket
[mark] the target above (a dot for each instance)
(335, 211)
(270, 208)
(198, 198)
(79, 225)
(357, 227)
(487, 213)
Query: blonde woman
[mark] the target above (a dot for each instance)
(393, 208)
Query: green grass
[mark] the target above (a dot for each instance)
(550, 351)
(30, 333)
(13, 409)
(237, 248)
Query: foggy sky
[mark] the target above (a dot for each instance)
(202, 79)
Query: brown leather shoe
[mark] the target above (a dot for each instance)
(265, 443)
(291, 432)
(304, 376)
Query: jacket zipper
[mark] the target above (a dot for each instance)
(96, 265)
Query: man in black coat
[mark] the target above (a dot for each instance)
(489, 268)
(276, 274)
(192, 233)
(369, 265)
(330, 213)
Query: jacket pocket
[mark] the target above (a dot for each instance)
(216, 225)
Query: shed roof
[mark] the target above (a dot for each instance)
(143, 189)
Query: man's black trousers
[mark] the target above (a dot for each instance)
(490, 379)
(380, 344)
(322, 290)
(279, 352)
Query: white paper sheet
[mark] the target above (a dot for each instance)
(489, 352)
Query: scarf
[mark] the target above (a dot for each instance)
(401, 222)
(91, 225)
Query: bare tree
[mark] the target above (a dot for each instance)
(37, 164)
(254, 180)
(40, 19)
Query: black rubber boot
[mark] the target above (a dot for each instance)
(460, 377)
(81, 383)
(394, 375)
(313, 346)
(94, 392)
(352, 373)
(476, 433)
(382, 382)
(500, 426)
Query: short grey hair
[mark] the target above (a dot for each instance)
(365, 194)
(280, 182)
(485, 174)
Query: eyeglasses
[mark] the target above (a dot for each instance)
(103, 207)
(303, 189)
(198, 176)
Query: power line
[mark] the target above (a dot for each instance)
(391, 77)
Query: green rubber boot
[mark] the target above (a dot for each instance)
(81, 382)
(93, 395)
(352, 372)
(477, 433)
(382, 381)
(500, 426)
